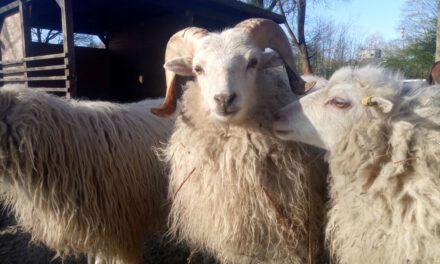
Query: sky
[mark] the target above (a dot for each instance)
(367, 16)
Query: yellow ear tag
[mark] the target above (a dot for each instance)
(366, 101)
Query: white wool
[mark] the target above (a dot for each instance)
(227, 182)
(81, 176)
(385, 187)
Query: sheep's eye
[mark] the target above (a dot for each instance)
(340, 103)
(198, 69)
(252, 63)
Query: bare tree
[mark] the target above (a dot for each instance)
(46, 35)
(417, 51)
(84, 40)
(419, 17)
(298, 39)
(331, 45)
(56, 37)
(291, 10)
(338, 45)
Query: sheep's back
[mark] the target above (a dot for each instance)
(385, 187)
(80, 175)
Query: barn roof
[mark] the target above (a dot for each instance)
(101, 16)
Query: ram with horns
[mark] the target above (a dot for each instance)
(237, 191)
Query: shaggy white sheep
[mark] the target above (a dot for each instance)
(81, 176)
(384, 155)
(237, 191)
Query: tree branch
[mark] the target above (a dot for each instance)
(301, 20)
(51, 35)
(272, 5)
(289, 29)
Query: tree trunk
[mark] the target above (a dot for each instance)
(437, 49)
(39, 35)
(305, 60)
(304, 55)
(299, 43)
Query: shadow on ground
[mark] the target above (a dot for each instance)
(15, 248)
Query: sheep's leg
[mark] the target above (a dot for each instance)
(94, 259)
(99, 260)
(91, 258)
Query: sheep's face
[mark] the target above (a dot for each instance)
(226, 66)
(325, 117)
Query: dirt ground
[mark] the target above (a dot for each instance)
(15, 248)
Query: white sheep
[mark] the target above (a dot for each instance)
(384, 154)
(81, 176)
(237, 191)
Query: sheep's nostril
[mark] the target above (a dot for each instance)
(225, 99)
(231, 99)
(279, 116)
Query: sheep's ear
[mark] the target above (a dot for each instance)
(384, 105)
(270, 59)
(180, 66)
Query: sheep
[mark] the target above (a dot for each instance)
(434, 73)
(384, 154)
(236, 191)
(82, 176)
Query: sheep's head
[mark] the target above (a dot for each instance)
(323, 118)
(225, 65)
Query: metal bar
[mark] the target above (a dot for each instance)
(8, 7)
(46, 68)
(34, 58)
(48, 78)
(68, 45)
(11, 62)
(63, 89)
(25, 32)
(12, 71)
(46, 57)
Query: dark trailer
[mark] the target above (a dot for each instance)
(126, 66)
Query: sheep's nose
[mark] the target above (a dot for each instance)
(279, 116)
(225, 100)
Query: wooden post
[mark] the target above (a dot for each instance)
(68, 45)
(25, 34)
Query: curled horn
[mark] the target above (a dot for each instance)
(267, 34)
(181, 44)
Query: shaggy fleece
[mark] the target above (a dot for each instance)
(237, 191)
(385, 185)
(81, 176)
